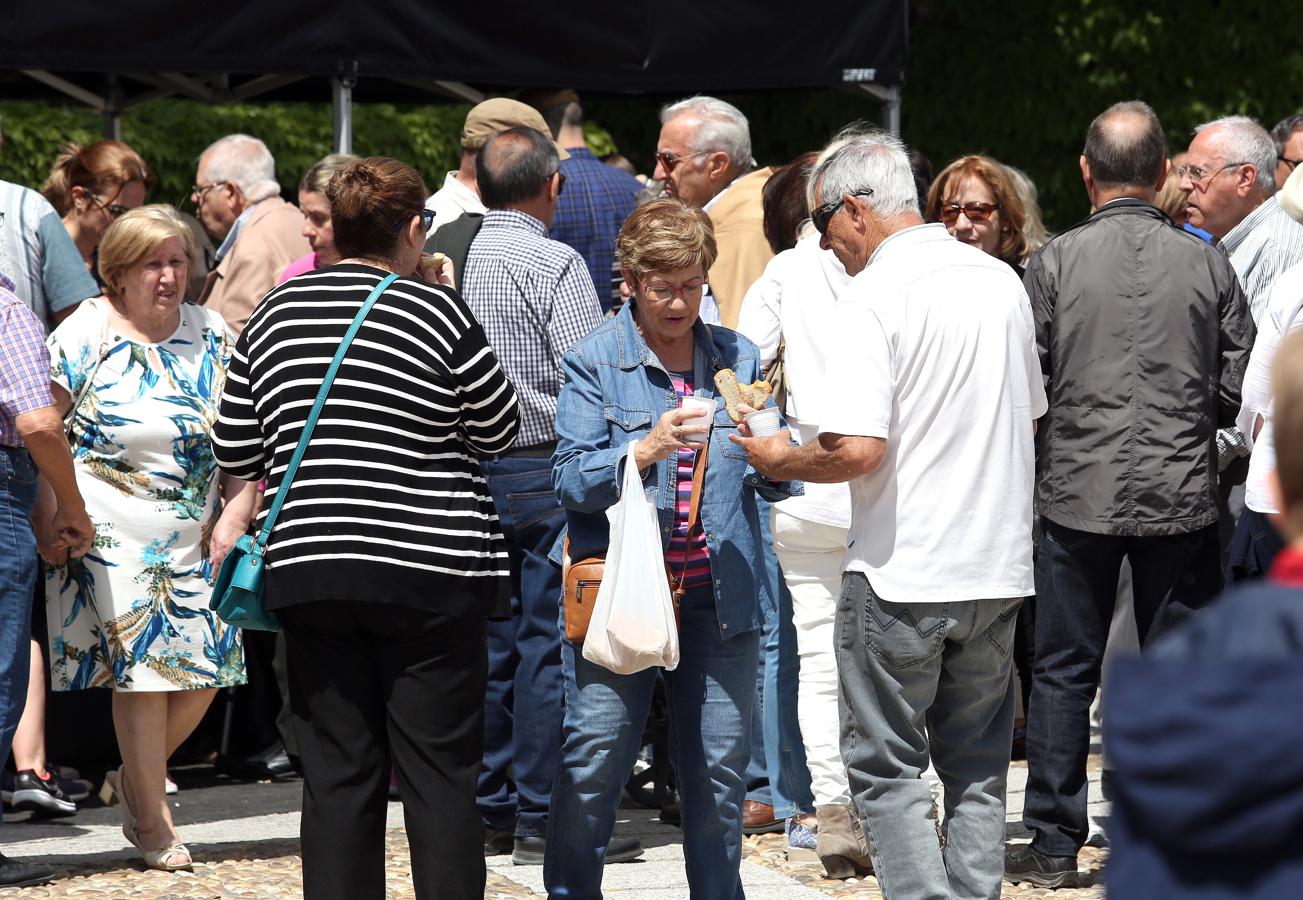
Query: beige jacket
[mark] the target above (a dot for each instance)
(270, 240)
(739, 219)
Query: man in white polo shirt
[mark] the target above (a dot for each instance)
(928, 408)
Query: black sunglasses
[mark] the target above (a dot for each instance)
(822, 215)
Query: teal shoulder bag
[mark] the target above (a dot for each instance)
(238, 592)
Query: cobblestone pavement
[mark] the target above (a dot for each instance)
(264, 869)
(257, 857)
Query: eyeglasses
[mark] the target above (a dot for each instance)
(199, 191)
(976, 212)
(690, 291)
(560, 183)
(822, 215)
(1289, 162)
(427, 218)
(1202, 178)
(668, 160)
(113, 209)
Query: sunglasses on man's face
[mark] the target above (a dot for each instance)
(822, 215)
(976, 212)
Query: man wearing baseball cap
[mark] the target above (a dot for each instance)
(460, 193)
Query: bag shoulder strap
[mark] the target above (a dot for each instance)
(260, 544)
(694, 511)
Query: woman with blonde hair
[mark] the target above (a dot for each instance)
(975, 198)
(92, 186)
(139, 379)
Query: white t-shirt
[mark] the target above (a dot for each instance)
(934, 351)
(1283, 313)
(793, 302)
(451, 201)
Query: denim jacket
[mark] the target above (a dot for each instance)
(615, 391)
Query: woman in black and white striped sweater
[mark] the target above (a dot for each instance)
(387, 557)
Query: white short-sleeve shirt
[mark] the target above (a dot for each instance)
(934, 351)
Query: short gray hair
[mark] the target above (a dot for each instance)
(245, 162)
(723, 127)
(857, 160)
(1245, 141)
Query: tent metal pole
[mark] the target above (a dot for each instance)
(890, 99)
(342, 90)
(114, 101)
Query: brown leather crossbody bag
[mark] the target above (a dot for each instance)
(581, 579)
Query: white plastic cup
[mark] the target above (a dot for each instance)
(764, 422)
(706, 406)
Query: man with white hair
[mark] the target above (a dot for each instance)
(1229, 172)
(703, 155)
(930, 395)
(238, 202)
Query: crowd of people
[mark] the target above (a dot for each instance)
(911, 583)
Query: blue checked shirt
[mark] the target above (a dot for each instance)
(535, 299)
(589, 213)
(24, 366)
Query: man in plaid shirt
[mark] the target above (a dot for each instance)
(597, 200)
(535, 299)
(32, 444)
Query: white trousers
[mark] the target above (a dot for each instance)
(811, 556)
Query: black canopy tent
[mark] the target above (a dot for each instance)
(116, 55)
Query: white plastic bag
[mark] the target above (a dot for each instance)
(633, 624)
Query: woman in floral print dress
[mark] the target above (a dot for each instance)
(133, 613)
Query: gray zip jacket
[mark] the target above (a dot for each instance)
(1144, 336)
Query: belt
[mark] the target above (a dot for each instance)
(537, 451)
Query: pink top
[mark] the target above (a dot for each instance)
(682, 544)
(298, 267)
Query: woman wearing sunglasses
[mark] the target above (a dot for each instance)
(975, 198)
(93, 185)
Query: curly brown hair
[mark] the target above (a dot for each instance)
(1013, 243)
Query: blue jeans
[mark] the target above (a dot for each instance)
(1076, 588)
(522, 711)
(18, 481)
(710, 698)
(777, 773)
(927, 681)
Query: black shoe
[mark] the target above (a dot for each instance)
(499, 841)
(42, 796)
(529, 851)
(1031, 865)
(15, 873)
(273, 762)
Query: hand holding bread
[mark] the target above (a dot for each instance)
(738, 395)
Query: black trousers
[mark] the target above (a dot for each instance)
(371, 680)
(1173, 577)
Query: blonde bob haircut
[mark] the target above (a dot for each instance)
(134, 235)
(665, 236)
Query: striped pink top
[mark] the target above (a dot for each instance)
(694, 545)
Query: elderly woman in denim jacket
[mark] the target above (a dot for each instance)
(624, 382)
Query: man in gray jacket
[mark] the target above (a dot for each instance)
(1144, 335)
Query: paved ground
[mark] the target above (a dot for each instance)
(243, 837)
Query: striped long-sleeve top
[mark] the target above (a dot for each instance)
(389, 503)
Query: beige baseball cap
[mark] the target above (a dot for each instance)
(498, 114)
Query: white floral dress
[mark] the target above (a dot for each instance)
(133, 613)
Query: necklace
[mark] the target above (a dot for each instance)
(366, 261)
